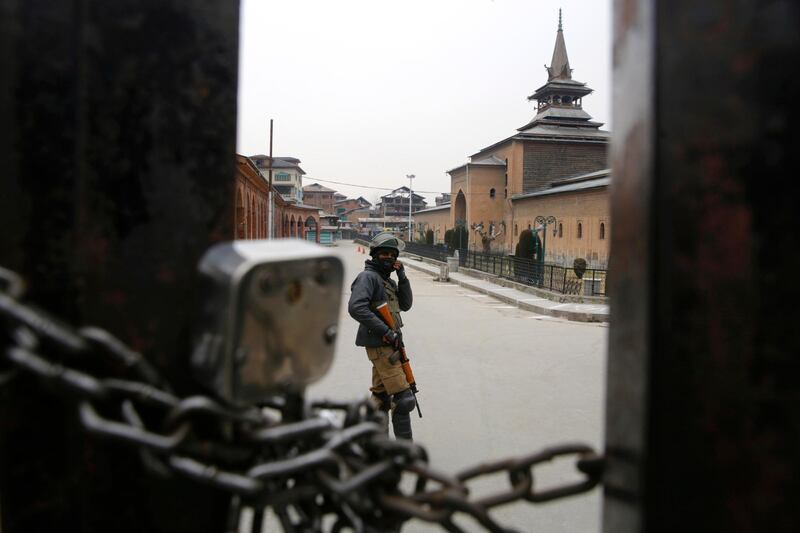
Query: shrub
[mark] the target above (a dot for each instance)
(579, 267)
(448, 239)
(526, 247)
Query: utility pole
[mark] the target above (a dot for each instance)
(271, 216)
(410, 198)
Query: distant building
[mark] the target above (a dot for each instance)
(320, 196)
(349, 219)
(443, 199)
(287, 176)
(251, 208)
(395, 204)
(330, 231)
(342, 206)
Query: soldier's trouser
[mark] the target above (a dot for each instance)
(389, 379)
(386, 377)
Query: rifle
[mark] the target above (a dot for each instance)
(383, 311)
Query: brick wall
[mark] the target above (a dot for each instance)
(588, 208)
(544, 162)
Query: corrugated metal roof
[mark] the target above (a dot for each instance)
(570, 187)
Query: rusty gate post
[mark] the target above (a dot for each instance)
(703, 409)
(117, 136)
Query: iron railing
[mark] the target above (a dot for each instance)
(439, 252)
(551, 277)
(556, 278)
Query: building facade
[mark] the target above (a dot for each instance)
(494, 193)
(396, 203)
(436, 219)
(287, 176)
(319, 196)
(347, 204)
(251, 201)
(580, 225)
(251, 208)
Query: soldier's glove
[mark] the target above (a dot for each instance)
(392, 338)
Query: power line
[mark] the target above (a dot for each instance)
(371, 187)
(386, 188)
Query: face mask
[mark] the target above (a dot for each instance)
(387, 265)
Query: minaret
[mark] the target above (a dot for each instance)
(559, 65)
(559, 101)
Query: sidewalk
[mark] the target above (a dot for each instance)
(529, 302)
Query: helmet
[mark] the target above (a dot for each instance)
(386, 240)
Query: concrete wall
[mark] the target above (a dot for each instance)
(439, 221)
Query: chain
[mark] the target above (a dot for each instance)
(330, 458)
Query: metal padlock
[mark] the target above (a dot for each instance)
(269, 317)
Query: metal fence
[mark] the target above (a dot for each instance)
(439, 252)
(535, 274)
(556, 278)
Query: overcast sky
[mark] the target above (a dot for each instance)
(368, 91)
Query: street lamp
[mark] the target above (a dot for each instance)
(410, 197)
(543, 222)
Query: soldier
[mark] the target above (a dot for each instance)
(390, 390)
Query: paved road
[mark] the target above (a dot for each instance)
(495, 381)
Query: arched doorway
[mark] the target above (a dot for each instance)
(299, 229)
(460, 219)
(285, 227)
(241, 222)
(460, 209)
(251, 226)
(312, 230)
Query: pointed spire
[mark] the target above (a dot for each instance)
(559, 65)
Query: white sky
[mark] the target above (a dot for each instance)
(368, 91)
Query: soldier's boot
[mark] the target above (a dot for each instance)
(403, 404)
(383, 402)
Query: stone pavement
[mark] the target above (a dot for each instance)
(579, 312)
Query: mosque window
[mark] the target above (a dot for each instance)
(602, 230)
(580, 230)
(560, 230)
(491, 193)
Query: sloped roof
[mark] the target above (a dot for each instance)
(431, 209)
(262, 161)
(316, 187)
(591, 180)
(492, 160)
